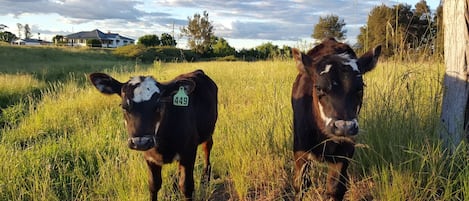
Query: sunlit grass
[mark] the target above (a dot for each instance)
(70, 144)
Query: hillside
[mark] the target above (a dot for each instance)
(53, 63)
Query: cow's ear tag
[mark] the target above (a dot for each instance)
(181, 98)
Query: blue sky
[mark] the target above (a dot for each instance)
(244, 23)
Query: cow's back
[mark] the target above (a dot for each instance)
(205, 99)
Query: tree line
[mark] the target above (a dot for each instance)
(402, 31)
(205, 45)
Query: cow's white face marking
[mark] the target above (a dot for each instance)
(327, 69)
(157, 126)
(324, 117)
(145, 90)
(349, 61)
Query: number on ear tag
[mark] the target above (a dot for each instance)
(181, 98)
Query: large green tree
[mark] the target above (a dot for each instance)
(221, 47)
(167, 40)
(59, 40)
(267, 50)
(380, 29)
(399, 29)
(329, 26)
(199, 32)
(150, 40)
(7, 36)
(422, 24)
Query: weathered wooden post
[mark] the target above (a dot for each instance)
(455, 106)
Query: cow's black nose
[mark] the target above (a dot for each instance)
(342, 127)
(141, 143)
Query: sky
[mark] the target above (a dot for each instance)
(243, 23)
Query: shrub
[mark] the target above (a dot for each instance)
(227, 58)
(93, 43)
(130, 51)
(150, 54)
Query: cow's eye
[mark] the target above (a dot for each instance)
(320, 91)
(125, 106)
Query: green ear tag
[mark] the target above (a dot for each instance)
(181, 98)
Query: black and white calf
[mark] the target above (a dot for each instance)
(167, 121)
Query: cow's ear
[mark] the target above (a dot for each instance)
(367, 62)
(105, 83)
(173, 87)
(303, 62)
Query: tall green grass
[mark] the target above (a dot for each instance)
(51, 64)
(70, 145)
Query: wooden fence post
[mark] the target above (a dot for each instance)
(455, 110)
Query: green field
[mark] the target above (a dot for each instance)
(62, 140)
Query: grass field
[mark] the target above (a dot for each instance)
(63, 140)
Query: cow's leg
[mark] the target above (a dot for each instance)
(154, 180)
(337, 177)
(207, 147)
(337, 180)
(301, 180)
(186, 175)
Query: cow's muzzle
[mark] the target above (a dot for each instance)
(344, 128)
(142, 143)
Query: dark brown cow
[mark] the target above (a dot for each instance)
(326, 98)
(167, 121)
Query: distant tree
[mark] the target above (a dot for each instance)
(20, 29)
(7, 36)
(405, 33)
(27, 31)
(149, 40)
(221, 47)
(329, 26)
(394, 28)
(199, 32)
(423, 15)
(94, 43)
(285, 51)
(167, 40)
(421, 28)
(380, 29)
(2, 27)
(248, 54)
(402, 30)
(58, 39)
(439, 31)
(267, 50)
(422, 9)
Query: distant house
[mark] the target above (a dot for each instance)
(110, 40)
(30, 41)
